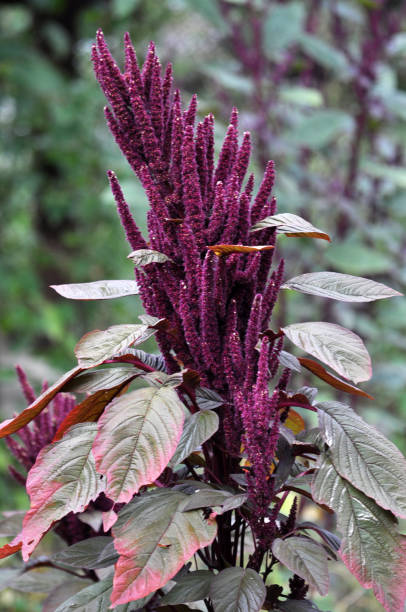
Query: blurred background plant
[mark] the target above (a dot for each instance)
(321, 84)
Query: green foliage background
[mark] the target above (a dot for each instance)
(58, 223)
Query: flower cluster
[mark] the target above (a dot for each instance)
(217, 301)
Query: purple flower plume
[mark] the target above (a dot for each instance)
(218, 305)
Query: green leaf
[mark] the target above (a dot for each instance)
(371, 548)
(305, 558)
(137, 436)
(282, 27)
(209, 10)
(319, 129)
(104, 378)
(97, 346)
(291, 225)
(198, 428)
(98, 290)
(236, 589)
(92, 553)
(192, 587)
(143, 257)
(302, 96)
(96, 598)
(393, 174)
(336, 346)
(324, 54)
(62, 480)
(343, 287)
(155, 538)
(357, 259)
(362, 455)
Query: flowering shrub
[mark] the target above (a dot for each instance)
(205, 457)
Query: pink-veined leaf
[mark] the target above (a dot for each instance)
(290, 225)
(154, 539)
(137, 436)
(336, 346)
(12, 425)
(371, 547)
(97, 346)
(97, 290)
(364, 456)
(62, 480)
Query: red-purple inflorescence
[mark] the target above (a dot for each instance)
(217, 307)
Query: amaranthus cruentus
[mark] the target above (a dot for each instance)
(217, 301)
(201, 460)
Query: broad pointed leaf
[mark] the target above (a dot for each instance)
(64, 591)
(318, 370)
(343, 287)
(236, 589)
(101, 379)
(192, 587)
(96, 598)
(362, 455)
(198, 428)
(291, 225)
(208, 497)
(98, 290)
(97, 346)
(143, 257)
(38, 580)
(336, 346)
(137, 436)
(155, 539)
(62, 480)
(305, 558)
(92, 553)
(12, 425)
(89, 410)
(229, 249)
(287, 360)
(371, 548)
(207, 399)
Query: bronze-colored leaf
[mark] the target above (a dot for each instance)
(229, 249)
(330, 379)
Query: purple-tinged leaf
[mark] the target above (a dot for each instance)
(371, 548)
(102, 379)
(236, 589)
(155, 538)
(92, 553)
(306, 558)
(291, 225)
(195, 586)
(343, 287)
(96, 598)
(143, 257)
(98, 290)
(137, 436)
(318, 370)
(207, 399)
(89, 410)
(287, 360)
(97, 346)
(361, 454)
(38, 580)
(12, 425)
(63, 592)
(208, 498)
(336, 346)
(198, 428)
(62, 480)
